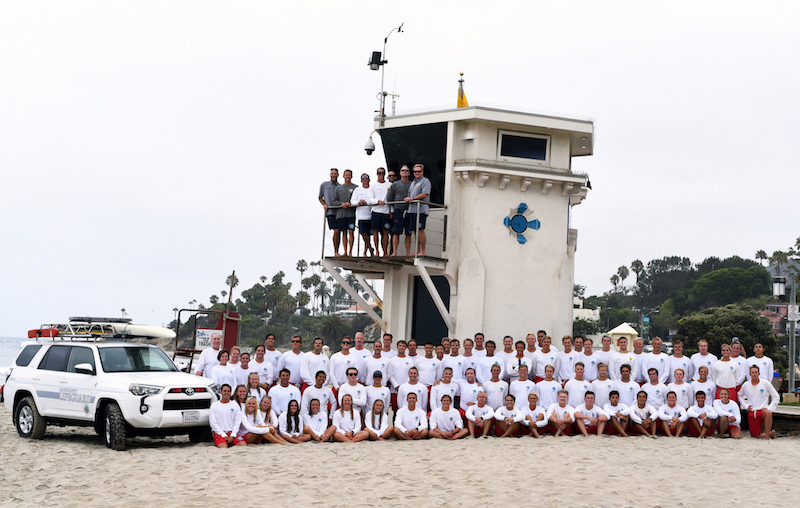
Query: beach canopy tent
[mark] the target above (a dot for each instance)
(623, 330)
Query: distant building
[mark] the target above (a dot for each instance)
(578, 312)
(354, 311)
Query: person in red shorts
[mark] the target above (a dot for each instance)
(755, 397)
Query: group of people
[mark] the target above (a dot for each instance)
(527, 388)
(385, 210)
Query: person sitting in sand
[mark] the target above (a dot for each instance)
(270, 419)
(533, 416)
(252, 427)
(291, 425)
(377, 422)
(701, 417)
(348, 423)
(643, 416)
(673, 417)
(561, 415)
(729, 415)
(618, 415)
(446, 422)
(480, 417)
(589, 417)
(410, 422)
(225, 417)
(316, 422)
(508, 418)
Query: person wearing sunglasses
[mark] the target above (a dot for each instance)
(419, 190)
(361, 198)
(398, 192)
(381, 222)
(292, 360)
(342, 361)
(356, 390)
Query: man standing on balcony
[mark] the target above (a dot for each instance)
(381, 223)
(398, 192)
(326, 191)
(346, 216)
(361, 198)
(420, 189)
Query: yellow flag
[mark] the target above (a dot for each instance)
(462, 98)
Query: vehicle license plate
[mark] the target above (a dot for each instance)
(191, 416)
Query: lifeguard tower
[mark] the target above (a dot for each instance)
(500, 250)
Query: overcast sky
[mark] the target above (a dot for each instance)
(150, 148)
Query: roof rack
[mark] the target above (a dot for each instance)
(95, 329)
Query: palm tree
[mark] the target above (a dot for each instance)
(302, 266)
(638, 267)
(761, 255)
(615, 281)
(123, 312)
(214, 299)
(779, 258)
(332, 329)
(322, 292)
(223, 293)
(623, 273)
(263, 279)
(302, 299)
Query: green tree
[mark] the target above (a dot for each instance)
(761, 255)
(302, 266)
(585, 327)
(615, 281)
(578, 291)
(333, 329)
(718, 325)
(637, 267)
(303, 298)
(623, 273)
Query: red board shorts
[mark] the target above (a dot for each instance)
(694, 433)
(553, 429)
(755, 419)
(218, 440)
(734, 395)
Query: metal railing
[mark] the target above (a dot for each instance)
(435, 232)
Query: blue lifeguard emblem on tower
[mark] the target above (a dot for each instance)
(519, 222)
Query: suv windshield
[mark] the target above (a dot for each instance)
(135, 359)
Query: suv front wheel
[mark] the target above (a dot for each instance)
(114, 427)
(29, 422)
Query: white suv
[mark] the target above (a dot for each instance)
(120, 388)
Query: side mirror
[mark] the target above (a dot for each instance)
(84, 368)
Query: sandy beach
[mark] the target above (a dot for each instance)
(70, 467)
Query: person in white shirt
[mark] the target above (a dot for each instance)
(682, 390)
(760, 400)
(376, 391)
(469, 388)
(547, 389)
(620, 358)
(412, 351)
(590, 418)
(602, 386)
(235, 353)
(359, 350)
(626, 386)
(348, 423)
(644, 416)
(702, 357)
(283, 393)
(703, 384)
(445, 387)
(263, 367)
(356, 390)
(291, 424)
(446, 346)
(240, 395)
(736, 356)
(292, 360)
(446, 422)
(484, 371)
(577, 344)
(589, 361)
(729, 415)
(530, 339)
(398, 371)
(252, 427)
(540, 335)
(209, 358)
(272, 355)
(410, 422)
(496, 389)
(224, 417)
(377, 422)
(618, 415)
(313, 362)
(243, 370)
(508, 418)
(316, 423)
(505, 355)
(673, 417)
(764, 363)
(223, 373)
(361, 198)
(605, 353)
(455, 361)
(701, 417)
(657, 360)
(578, 386)
(480, 417)
(387, 351)
(374, 363)
(254, 387)
(656, 390)
(725, 373)
(678, 361)
(513, 364)
(469, 358)
(415, 387)
(270, 419)
(479, 350)
(318, 392)
(522, 387)
(638, 353)
(342, 361)
(533, 416)
(429, 367)
(543, 357)
(566, 361)
(561, 415)
(381, 221)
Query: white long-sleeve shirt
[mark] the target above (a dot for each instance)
(430, 370)
(684, 392)
(660, 362)
(418, 388)
(742, 361)
(371, 365)
(765, 368)
(534, 414)
(474, 412)
(620, 408)
(758, 396)
(577, 391)
(313, 363)
(699, 360)
(457, 364)
(520, 390)
(398, 370)
(292, 362)
(667, 413)
(695, 411)
(496, 392)
(207, 361)
(469, 393)
(242, 373)
(731, 410)
(685, 363)
(406, 419)
(725, 374)
(641, 375)
(363, 212)
(281, 396)
(640, 414)
(452, 389)
(358, 392)
(709, 388)
(559, 411)
(265, 370)
(339, 365)
(380, 424)
(318, 423)
(446, 421)
(381, 393)
(601, 389)
(253, 424)
(566, 365)
(513, 364)
(595, 412)
(618, 360)
(347, 421)
(627, 392)
(589, 366)
(548, 392)
(324, 395)
(377, 192)
(224, 418)
(224, 374)
(485, 363)
(501, 413)
(656, 394)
